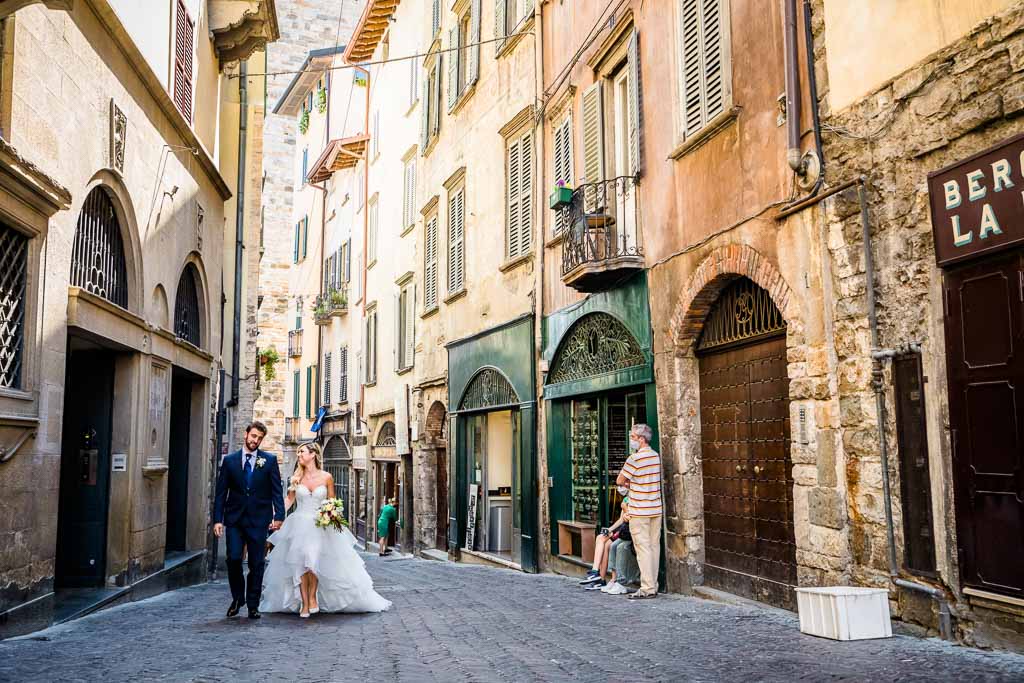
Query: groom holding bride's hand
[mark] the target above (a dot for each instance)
(249, 502)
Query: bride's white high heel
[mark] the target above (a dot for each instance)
(314, 610)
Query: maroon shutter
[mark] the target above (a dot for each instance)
(183, 48)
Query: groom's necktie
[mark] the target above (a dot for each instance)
(248, 468)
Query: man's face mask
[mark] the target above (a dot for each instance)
(633, 443)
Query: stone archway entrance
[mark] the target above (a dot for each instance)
(747, 475)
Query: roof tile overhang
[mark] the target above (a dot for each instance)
(370, 30)
(316, 64)
(340, 154)
(241, 27)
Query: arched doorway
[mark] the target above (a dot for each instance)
(747, 472)
(437, 442)
(338, 462)
(388, 480)
(99, 267)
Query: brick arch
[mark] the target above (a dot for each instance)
(715, 272)
(436, 423)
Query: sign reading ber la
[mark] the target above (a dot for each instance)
(978, 203)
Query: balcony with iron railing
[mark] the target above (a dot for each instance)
(603, 242)
(294, 343)
(293, 430)
(332, 304)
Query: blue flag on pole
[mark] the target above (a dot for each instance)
(319, 420)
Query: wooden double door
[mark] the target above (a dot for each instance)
(985, 362)
(750, 546)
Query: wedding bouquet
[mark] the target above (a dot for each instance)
(331, 513)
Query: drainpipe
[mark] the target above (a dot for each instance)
(212, 541)
(323, 251)
(812, 84)
(538, 304)
(878, 355)
(243, 116)
(793, 91)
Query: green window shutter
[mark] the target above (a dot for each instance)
(296, 388)
(309, 391)
(435, 19)
(316, 390)
(305, 235)
(298, 232)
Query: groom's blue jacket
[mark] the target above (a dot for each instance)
(252, 504)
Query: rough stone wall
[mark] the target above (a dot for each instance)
(962, 99)
(305, 25)
(429, 453)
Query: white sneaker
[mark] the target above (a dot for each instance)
(617, 589)
(611, 586)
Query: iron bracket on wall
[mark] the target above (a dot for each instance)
(27, 425)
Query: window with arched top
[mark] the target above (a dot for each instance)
(386, 437)
(97, 258)
(186, 306)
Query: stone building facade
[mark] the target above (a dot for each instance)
(305, 25)
(939, 100)
(121, 162)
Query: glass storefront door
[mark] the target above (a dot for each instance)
(493, 484)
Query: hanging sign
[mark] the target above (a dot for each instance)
(471, 517)
(978, 203)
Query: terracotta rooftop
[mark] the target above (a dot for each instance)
(340, 154)
(370, 30)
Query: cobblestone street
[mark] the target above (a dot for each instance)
(456, 622)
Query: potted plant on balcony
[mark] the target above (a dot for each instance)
(321, 100)
(321, 312)
(561, 197)
(304, 122)
(268, 359)
(338, 300)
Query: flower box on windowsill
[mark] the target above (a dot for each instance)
(560, 198)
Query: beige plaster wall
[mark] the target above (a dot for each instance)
(859, 32)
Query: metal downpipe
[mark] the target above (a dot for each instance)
(243, 116)
(792, 91)
(878, 355)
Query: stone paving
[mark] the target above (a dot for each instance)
(459, 622)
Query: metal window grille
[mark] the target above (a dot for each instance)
(386, 438)
(13, 278)
(97, 259)
(186, 307)
(743, 311)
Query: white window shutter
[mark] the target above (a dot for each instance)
(514, 225)
(435, 25)
(499, 24)
(453, 67)
(452, 244)
(525, 193)
(343, 375)
(435, 122)
(364, 355)
(425, 109)
(593, 141)
(563, 164)
(373, 346)
(410, 322)
(397, 349)
(430, 266)
(461, 253)
(634, 104)
(474, 50)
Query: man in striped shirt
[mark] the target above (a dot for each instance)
(642, 474)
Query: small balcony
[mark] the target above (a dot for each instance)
(292, 430)
(294, 343)
(330, 305)
(603, 243)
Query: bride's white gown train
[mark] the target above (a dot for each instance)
(299, 545)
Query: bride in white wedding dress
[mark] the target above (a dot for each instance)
(313, 569)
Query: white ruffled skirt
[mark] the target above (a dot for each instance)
(301, 546)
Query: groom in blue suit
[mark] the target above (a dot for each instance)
(249, 502)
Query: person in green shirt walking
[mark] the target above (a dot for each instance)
(388, 515)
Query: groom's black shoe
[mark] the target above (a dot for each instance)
(236, 606)
(254, 614)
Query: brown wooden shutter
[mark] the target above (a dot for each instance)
(183, 50)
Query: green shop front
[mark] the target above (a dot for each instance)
(493, 424)
(599, 383)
